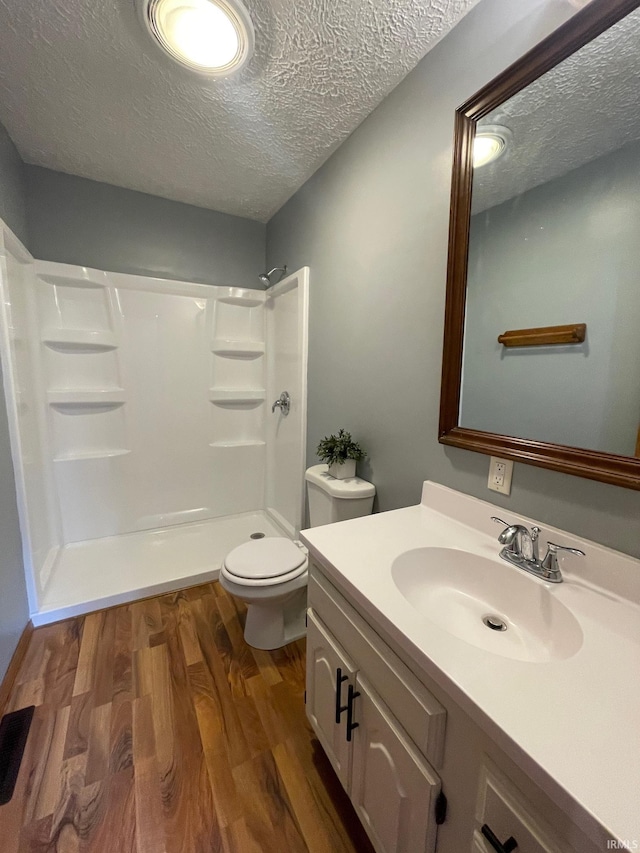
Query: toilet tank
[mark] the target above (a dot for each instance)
(336, 500)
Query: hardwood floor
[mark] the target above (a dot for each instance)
(157, 730)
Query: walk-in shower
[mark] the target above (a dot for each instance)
(143, 440)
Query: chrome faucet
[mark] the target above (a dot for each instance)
(520, 543)
(521, 550)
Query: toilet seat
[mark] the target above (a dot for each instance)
(265, 562)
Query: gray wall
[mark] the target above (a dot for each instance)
(564, 252)
(373, 225)
(77, 221)
(12, 201)
(14, 609)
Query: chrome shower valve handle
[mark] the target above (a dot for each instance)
(283, 403)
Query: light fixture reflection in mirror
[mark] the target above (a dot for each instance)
(490, 142)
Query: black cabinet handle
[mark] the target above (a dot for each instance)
(339, 706)
(509, 845)
(350, 724)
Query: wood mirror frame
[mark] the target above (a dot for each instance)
(582, 28)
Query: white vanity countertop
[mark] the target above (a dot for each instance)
(572, 724)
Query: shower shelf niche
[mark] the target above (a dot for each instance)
(237, 396)
(239, 443)
(67, 399)
(89, 280)
(85, 456)
(79, 340)
(237, 348)
(238, 296)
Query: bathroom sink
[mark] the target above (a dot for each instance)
(491, 605)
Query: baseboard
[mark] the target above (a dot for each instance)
(14, 665)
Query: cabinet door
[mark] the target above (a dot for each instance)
(329, 674)
(393, 789)
(506, 814)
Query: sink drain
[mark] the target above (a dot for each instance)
(257, 536)
(495, 623)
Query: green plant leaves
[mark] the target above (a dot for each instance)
(336, 449)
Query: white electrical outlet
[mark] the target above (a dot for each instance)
(500, 473)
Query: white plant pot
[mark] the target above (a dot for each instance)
(341, 472)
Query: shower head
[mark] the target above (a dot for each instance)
(265, 277)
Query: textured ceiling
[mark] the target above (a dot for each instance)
(83, 90)
(582, 109)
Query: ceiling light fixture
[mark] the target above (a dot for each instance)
(213, 37)
(489, 143)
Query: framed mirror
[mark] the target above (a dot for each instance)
(542, 323)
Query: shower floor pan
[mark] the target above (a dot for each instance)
(105, 572)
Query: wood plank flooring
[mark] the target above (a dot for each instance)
(158, 730)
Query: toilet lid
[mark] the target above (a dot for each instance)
(261, 559)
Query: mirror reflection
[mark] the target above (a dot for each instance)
(555, 241)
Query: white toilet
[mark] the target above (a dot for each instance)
(270, 574)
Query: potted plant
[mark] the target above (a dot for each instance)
(341, 453)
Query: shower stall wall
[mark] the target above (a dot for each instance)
(142, 433)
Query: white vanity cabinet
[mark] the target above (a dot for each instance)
(383, 730)
(330, 673)
(392, 785)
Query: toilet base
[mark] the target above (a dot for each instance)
(268, 627)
